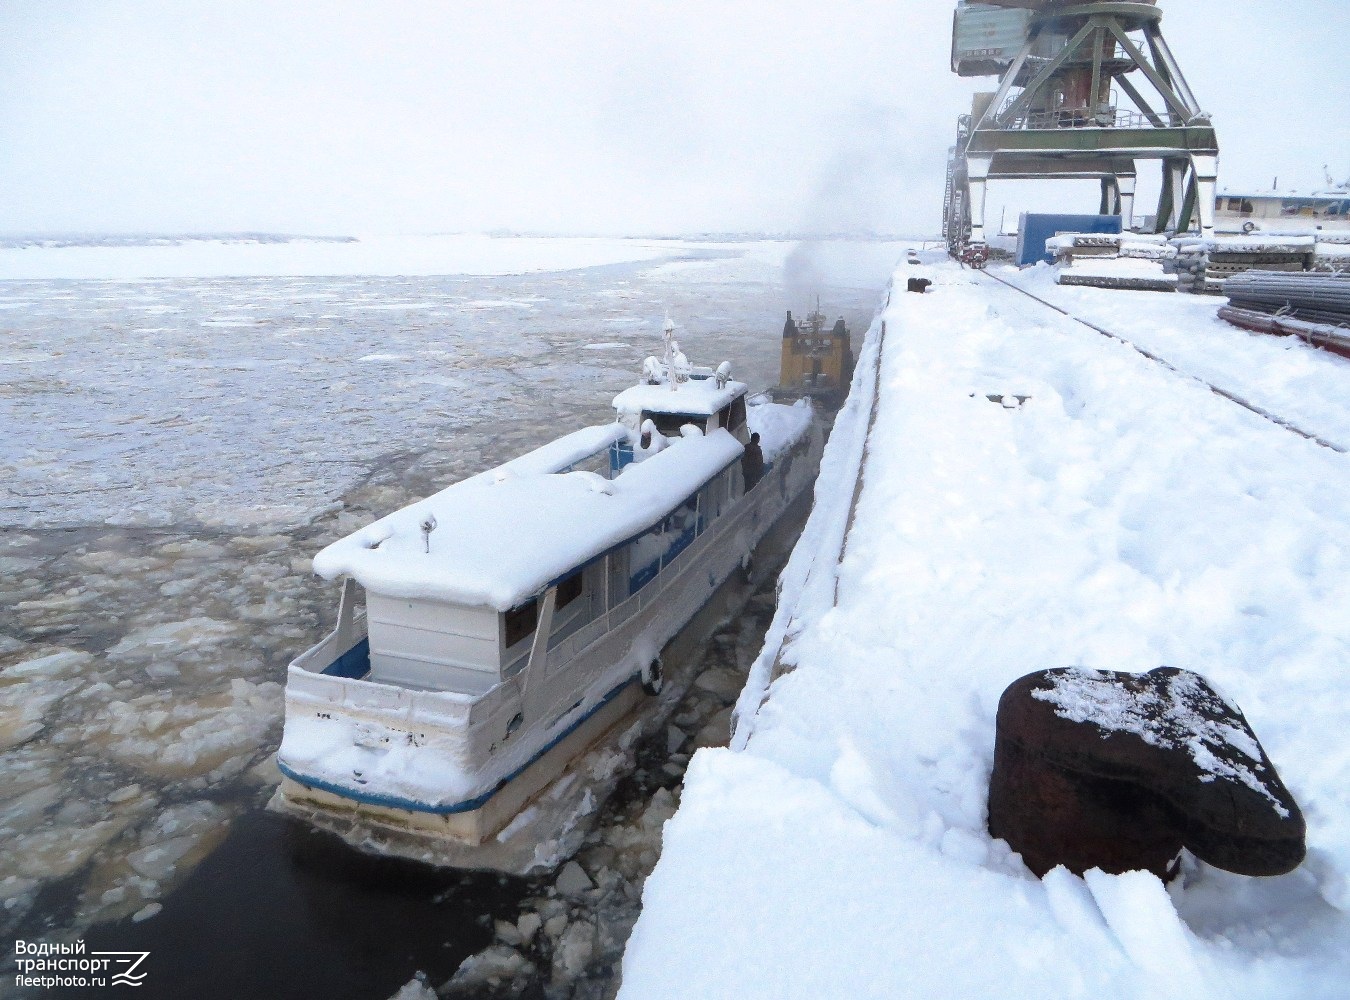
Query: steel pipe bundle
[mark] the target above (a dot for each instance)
(1308, 295)
(1331, 338)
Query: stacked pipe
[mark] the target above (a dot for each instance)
(1332, 338)
(1312, 296)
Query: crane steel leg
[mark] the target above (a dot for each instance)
(1125, 185)
(1206, 170)
(977, 171)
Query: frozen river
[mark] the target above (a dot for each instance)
(174, 449)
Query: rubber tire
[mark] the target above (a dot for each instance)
(652, 677)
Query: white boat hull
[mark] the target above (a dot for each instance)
(596, 672)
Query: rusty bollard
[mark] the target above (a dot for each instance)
(1120, 771)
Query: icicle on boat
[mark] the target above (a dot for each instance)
(513, 620)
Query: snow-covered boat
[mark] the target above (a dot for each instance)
(514, 619)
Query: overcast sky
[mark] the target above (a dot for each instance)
(579, 117)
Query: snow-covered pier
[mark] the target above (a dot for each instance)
(1007, 491)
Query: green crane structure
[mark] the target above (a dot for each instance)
(1086, 89)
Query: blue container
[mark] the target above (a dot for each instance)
(1035, 228)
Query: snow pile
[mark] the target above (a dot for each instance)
(1125, 266)
(1253, 243)
(1123, 517)
(697, 397)
(1142, 245)
(778, 426)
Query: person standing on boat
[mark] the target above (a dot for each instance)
(752, 463)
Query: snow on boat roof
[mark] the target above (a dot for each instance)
(561, 453)
(505, 534)
(700, 397)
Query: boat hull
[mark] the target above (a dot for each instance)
(596, 671)
(339, 811)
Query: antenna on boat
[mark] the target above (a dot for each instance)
(669, 335)
(428, 526)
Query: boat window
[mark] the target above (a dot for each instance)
(520, 621)
(684, 517)
(669, 424)
(657, 548)
(618, 586)
(719, 490)
(707, 510)
(569, 590)
(724, 416)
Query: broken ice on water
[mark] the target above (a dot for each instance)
(177, 449)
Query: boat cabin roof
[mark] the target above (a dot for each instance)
(698, 397)
(504, 535)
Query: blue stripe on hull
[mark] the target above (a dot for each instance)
(468, 805)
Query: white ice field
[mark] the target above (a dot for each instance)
(182, 427)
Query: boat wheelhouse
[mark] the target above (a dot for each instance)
(513, 619)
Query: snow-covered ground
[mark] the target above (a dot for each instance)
(174, 450)
(1122, 517)
(1277, 374)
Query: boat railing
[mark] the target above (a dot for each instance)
(358, 696)
(578, 641)
(640, 601)
(676, 566)
(321, 657)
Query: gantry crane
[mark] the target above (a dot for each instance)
(1086, 88)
